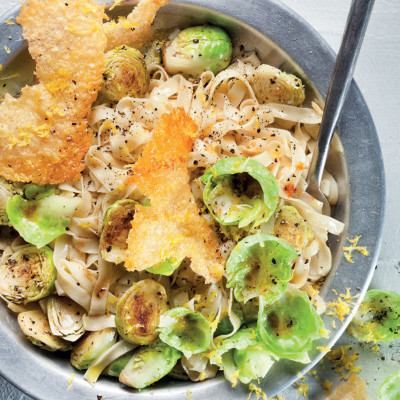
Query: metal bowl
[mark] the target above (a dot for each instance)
(283, 39)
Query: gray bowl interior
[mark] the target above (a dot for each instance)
(281, 39)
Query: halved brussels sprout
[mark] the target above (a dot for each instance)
(115, 230)
(198, 49)
(259, 265)
(91, 346)
(40, 216)
(149, 364)
(125, 74)
(272, 85)
(378, 318)
(152, 51)
(115, 368)
(288, 327)
(139, 311)
(242, 356)
(36, 327)
(166, 267)
(390, 388)
(65, 318)
(240, 191)
(28, 275)
(290, 226)
(185, 330)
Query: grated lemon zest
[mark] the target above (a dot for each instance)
(327, 386)
(70, 382)
(343, 361)
(348, 251)
(375, 349)
(302, 388)
(258, 392)
(235, 377)
(324, 348)
(339, 309)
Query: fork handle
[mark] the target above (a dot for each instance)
(356, 26)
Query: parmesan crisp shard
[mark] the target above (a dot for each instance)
(44, 133)
(171, 227)
(135, 29)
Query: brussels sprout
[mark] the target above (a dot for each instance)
(242, 356)
(28, 275)
(149, 364)
(65, 318)
(166, 267)
(390, 388)
(125, 74)
(115, 229)
(259, 265)
(378, 318)
(198, 49)
(185, 330)
(91, 346)
(115, 368)
(225, 326)
(36, 327)
(152, 51)
(239, 191)
(288, 327)
(290, 226)
(139, 311)
(272, 85)
(40, 216)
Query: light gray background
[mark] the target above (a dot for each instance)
(377, 74)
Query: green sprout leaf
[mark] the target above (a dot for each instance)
(240, 191)
(259, 265)
(290, 226)
(390, 388)
(288, 327)
(242, 356)
(185, 330)
(41, 216)
(378, 318)
(166, 267)
(149, 364)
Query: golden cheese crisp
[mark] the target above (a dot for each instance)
(44, 133)
(136, 27)
(171, 227)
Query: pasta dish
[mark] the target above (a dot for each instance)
(159, 223)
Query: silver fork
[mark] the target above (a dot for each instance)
(353, 36)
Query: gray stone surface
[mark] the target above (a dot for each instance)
(375, 73)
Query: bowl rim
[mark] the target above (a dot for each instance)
(302, 43)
